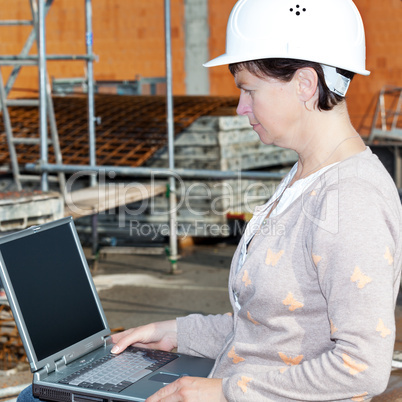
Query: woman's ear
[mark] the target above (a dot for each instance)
(306, 81)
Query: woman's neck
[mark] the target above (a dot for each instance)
(330, 139)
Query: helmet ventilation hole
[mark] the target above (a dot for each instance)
(297, 10)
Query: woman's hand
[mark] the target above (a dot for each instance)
(190, 389)
(163, 336)
(160, 335)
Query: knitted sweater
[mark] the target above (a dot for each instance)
(317, 294)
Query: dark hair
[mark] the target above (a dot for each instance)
(285, 69)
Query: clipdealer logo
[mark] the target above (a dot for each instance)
(199, 228)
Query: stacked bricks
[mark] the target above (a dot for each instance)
(222, 143)
(206, 206)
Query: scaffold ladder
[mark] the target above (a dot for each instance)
(387, 120)
(24, 59)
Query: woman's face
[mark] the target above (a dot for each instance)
(271, 106)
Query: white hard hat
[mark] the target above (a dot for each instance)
(328, 32)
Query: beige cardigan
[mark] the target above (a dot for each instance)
(317, 296)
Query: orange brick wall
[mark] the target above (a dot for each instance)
(221, 81)
(383, 24)
(129, 40)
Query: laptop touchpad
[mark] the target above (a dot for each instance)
(165, 377)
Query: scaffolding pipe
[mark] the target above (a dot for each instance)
(22, 63)
(170, 126)
(8, 129)
(42, 92)
(90, 90)
(24, 52)
(15, 22)
(154, 172)
(34, 59)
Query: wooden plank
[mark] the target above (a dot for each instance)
(105, 251)
(92, 200)
(16, 197)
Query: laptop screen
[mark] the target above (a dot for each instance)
(52, 289)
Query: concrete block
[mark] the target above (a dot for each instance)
(18, 211)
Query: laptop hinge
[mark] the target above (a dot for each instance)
(42, 373)
(60, 364)
(107, 340)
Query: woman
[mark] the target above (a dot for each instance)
(313, 304)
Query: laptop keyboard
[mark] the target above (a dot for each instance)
(117, 372)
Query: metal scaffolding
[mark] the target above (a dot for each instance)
(44, 167)
(39, 10)
(44, 102)
(387, 120)
(386, 126)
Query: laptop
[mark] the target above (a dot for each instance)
(64, 329)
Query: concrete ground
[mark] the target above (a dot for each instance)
(137, 289)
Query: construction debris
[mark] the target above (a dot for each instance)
(11, 349)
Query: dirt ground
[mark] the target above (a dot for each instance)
(138, 289)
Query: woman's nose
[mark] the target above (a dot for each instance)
(243, 106)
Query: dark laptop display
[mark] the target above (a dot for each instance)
(52, 290)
